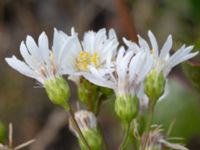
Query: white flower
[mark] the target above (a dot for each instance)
(129, 72)
(95, 50)
(86, 121)
(40, 62)
(163, 61)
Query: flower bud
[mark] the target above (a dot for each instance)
(154, 86)
(58, 91)
(126, 107)
(87, 123)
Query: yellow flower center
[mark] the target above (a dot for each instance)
(85, 58)
(152, 51)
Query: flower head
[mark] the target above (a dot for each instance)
(46, 65)
(40, 62)
(95, 50)
(129, 71)
(163, 61)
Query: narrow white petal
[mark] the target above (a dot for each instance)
(153, 43)
(179, 54)
(97, 78)
(188, 56)
(27, 57)
(144, 45)
(112, 34)
(20, 66)
(44, 46)
(131, 45)
(166, 47)
(33, 48)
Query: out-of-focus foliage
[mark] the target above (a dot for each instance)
(192, 69)
(195, 9)
(2, 132)
(182, 106)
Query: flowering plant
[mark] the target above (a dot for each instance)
(136, 73)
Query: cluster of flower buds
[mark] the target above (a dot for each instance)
(134, 71)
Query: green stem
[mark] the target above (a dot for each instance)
(148, 125)
(126, 137)
(78, 128)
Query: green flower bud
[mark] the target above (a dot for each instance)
(126, 107)
(94, 139)
(154, 86)
(87, 123)
(58, 91)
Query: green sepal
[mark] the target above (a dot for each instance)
(126, 108)
(58, 91)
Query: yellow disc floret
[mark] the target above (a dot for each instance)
(85, 58)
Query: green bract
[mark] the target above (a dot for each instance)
(154, 86)
(58, 91)
(93, 138)
(126, 107)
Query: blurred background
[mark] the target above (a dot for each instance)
(28, 107)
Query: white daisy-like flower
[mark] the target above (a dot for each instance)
(40, 61)
(95, 50)
(129, 72)
(163, 61)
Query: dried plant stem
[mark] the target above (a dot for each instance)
(126, 137)
(24, 144)
(78, 129)
(10, 135)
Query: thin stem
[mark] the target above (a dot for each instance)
(148, 125)
(78, 128)
(10, 135)
(126, 137)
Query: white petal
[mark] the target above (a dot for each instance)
(112, 34)
(188, 56)
(97, 78)
(166, 47)
(179, 54)
(131, 45)
(20, 67)
(88, 41)
(33, 48)
(144, 45)
(44, 46)
(27, 57)
(153, 43)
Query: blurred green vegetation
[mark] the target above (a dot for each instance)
(2, 132)
(181, 106)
